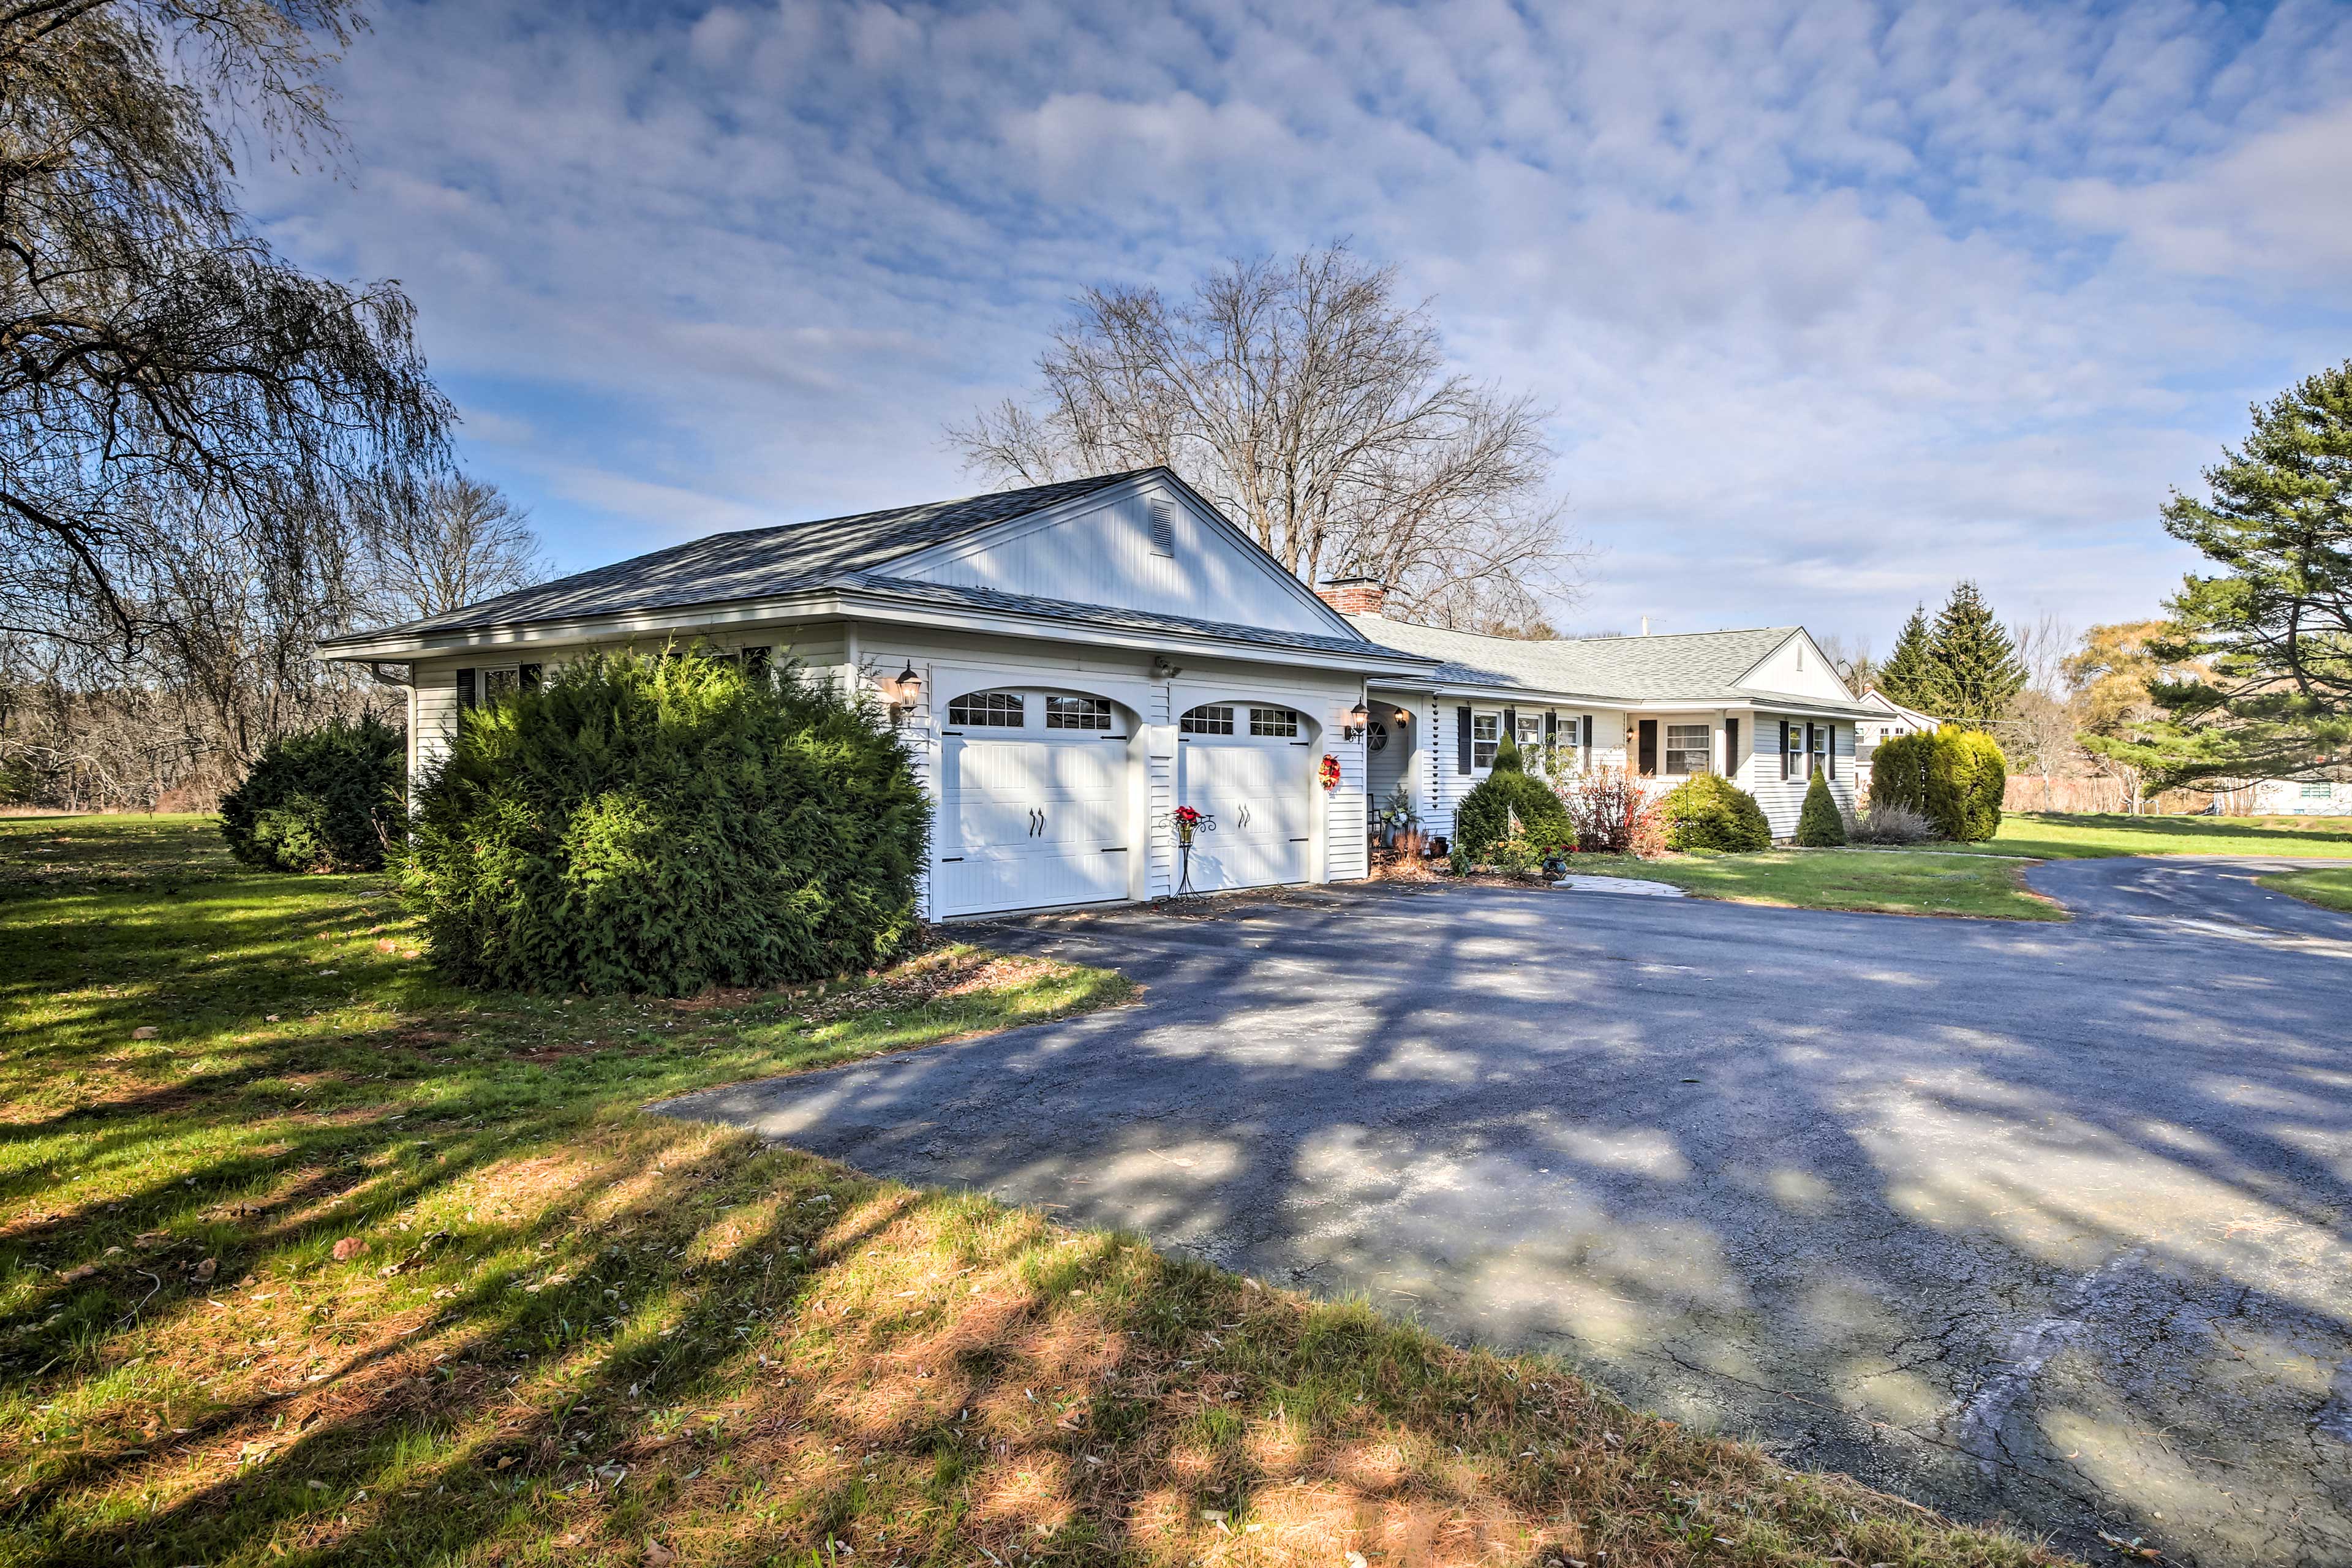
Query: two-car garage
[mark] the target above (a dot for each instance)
(1042, 795)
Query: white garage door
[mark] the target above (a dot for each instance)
(1031, 815)
(1247, 769)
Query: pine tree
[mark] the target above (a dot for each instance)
(1905, 675)
(1974, 672)
(2272, 629)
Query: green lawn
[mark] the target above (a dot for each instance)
(305, 1256)
(2330, 890)
(2060, 837)
(1983, 879)
(1897, 882)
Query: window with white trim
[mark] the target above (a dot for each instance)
(1077, 712)
(1690, 748)
(501, 681)
(1281, 723)
(1215, 719)
(989, 709)
(2320, 791)
(1486, 735)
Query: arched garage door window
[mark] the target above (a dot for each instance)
(1248, 768)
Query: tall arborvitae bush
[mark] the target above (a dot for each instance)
(1953, 777)
(1820, 825)
(320, 800)
(636, 824)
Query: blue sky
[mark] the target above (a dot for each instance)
(1837, 302)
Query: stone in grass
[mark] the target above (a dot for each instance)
(144, 1032)
(351, 1246)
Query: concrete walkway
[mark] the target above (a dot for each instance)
(2037, 1222)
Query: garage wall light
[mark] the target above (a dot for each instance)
(903, 692)
(1352, 722)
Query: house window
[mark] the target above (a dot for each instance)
(1486, 734)
(1276, 722)
(1210, 721)
(1792, 766)
(2322, 790)
(1690, 748)
(989, 709)
(1077, 712)
(500, 683)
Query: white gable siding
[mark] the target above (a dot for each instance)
(1105, 554)
(1797, 670)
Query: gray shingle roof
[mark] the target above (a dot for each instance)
(1114, 615)
(755, 562)
(1689, 666)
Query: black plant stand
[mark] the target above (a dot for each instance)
(1184, 889)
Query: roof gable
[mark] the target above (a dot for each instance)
(1148, 544)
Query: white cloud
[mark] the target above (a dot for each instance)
(1837, 302)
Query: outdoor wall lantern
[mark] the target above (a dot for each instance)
(903, 692)
(1352, 722)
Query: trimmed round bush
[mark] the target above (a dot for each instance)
(1707, 811)
(636, 824)
(320, 800)
(1484, 819)
(1819, 824)
(1954, 778)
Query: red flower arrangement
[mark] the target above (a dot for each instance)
(1188, 822)
(1330, 771)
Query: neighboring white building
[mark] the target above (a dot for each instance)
(2306, 797)
(1071, 662)
(1883, 718)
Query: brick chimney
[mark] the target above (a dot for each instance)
(1354, 596)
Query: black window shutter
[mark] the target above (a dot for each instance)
(1784, 750)
(1829, 745)
(755, 660)
(1511, 724)
(1551, 727)
(1462, 740)
(465, 690)
(1731, 747)
(1649, 747)
(527, 677)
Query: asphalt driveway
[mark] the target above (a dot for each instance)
(2039, 1222)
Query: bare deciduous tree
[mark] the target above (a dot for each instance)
(459, 542)
(1303, 401)
(158, 362)
(1852, 660)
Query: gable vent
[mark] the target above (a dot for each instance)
(1164, 528)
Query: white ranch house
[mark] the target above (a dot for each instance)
(1070, 663)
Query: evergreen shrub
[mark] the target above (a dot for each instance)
(665, 825)
(320, 800)
(1954, 777)
(1484, 819)
(1819, 824)
(1707, 811)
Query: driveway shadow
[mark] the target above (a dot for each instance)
(2038, 1223)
